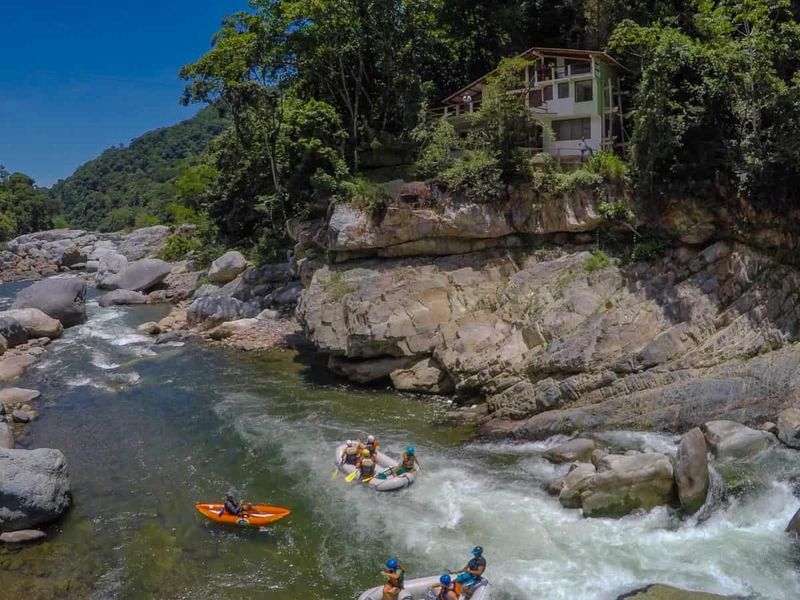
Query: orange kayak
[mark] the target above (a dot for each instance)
(258, 515)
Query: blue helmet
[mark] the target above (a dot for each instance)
(477, 551)
(445, 580)
(392, 563)
(410, 450)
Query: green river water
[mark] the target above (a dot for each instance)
(149, 430)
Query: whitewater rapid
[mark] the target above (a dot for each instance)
(488, 494)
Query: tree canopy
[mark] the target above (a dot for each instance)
(24, 207)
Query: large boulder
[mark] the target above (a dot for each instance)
(34, 487)
(18, 396)
(728, 439)
(691, 470)
(13, 366)
(139, 276)
(577, 450)
(789, 427)
(625, 483)
(425, 376)
(71, 257)
(13, 332)
(141, 243)
(227, 267)
(61, 298)
(794, 524)
(210, 311)
(35, 322)
(110, 264)
(122, 297)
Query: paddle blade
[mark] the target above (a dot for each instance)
(367, 480)
(350, 477)
(335, 473)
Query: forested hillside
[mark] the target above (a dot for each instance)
(24, 208)
(136, 185)
(314, 88)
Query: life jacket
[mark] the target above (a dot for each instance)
(373, 447)
(408, 462)
(367, 468)
(443, 592)
(350, 458)
(397, 578)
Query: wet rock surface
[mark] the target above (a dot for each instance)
(63, 299)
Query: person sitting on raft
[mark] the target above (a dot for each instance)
(372, 445)
(349, 456)
(366, 466)
(445, 589)
(473, 572)
(395, 574)
(231, 506)
(408, 463)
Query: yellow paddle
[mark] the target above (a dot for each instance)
(351, 476)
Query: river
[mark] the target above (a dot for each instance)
(149, 430)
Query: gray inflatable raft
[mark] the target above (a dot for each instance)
(391, 483)
(419, 589)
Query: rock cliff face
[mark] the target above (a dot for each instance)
(553, 343)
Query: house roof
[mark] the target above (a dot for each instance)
(541, 52)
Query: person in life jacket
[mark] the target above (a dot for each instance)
(408, 463)
(472, 572)
(366, 466)
(372, 445)
(231, 506)
(395, 575)
(445, 589)
(350, 456)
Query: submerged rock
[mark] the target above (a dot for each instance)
(666, 592)
(18, 396)
(728, 439)
(63, 299)
(34, 486)
(227, 267)
(691, 470)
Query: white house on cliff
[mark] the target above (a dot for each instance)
(575, 92)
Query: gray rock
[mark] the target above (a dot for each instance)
(269, 314)
(789, 427)
(211, 311)
(122, 297)
(22, 536)
(139, 276)
(227, 267)
(141, 243)
(577, 450)
(728, 439)
(205, 290)
(13, 331)
(34, 486)
(149, 328)
(6, 437)
(171, 336)
(35, 322)
(425, 376)
(691, 470)
(72, 257)
(231, 328)
(794, 524)
(60, 298)
(369, 370)
(109, 264)
(287, 295)
(18, 396)
(574, 484)
(21, 416)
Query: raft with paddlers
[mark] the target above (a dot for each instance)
(253, 515)
(384, 478)
(420, 589)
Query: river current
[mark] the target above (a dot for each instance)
(149, 430)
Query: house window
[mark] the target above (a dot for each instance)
(583, 91)
(563, 90)
(548, 92)
(573, 129)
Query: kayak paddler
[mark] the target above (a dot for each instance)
(395, 574)
(231, 506)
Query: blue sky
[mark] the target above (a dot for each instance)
(79, 77)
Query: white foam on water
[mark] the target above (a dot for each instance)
(536, 549)
(101, 361)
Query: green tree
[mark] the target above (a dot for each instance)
(24, 207)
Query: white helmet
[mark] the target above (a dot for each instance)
(370, 438)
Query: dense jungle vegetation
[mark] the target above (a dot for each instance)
(315, 94)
